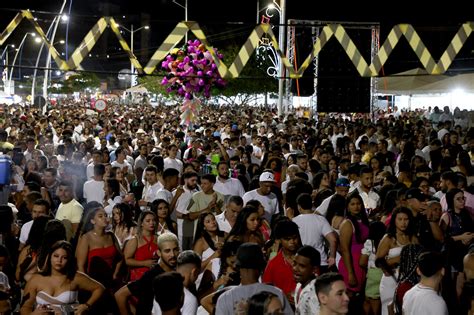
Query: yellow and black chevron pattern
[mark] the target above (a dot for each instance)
(332, 30)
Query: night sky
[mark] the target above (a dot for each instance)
(436, 23)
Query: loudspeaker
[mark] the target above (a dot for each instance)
(340, 87)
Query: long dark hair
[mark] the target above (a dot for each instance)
(169, 222)
(88, 226)
(71, 266)
(258, 303)
(450, 197)
(126, 215)
(54, 232)
(201, 231)
(228, 249)
(392, 228)
(240, 226)
(362, 215)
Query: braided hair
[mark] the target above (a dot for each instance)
(408, 263)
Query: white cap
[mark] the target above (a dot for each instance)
(267, 177)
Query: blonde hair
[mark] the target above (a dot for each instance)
(167, 237)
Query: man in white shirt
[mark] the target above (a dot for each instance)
(94, 188)
(170, 179)
(172, 161)
(264, 194)
(342, 189)
(40, 207)
(305, 269)
(369, 196)
(189, 267)
(226, 185)
(180, 202)
(423, 298)
(96, 159)
(152, 186)
(314, 229)
(226, 219)
(121, 161)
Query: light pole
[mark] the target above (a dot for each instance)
(48, 56)
(5, 66)
(281, 43)
(132, 32)
(14, 58)
(33, 85)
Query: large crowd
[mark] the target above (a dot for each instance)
(126, 211)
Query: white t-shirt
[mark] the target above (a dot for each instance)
(423, 300)
(313, 228)
(190, 304)
(230, 187)
(25, 231)
(223, 223)
(173, 163)
(94, 191)
(269, 202)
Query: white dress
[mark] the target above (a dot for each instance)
(215, 265)
(389, 284)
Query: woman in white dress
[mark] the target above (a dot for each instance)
(208, 243)
(400, 232)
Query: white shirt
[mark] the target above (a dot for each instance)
(190, 304)
(122, 165)
(229, 187)
(306, 301)
(223, 223)
(164, 194)
(421, 300)
(269, 202)
(90, 170)
(150, 191)
(371, 200)
(25, 231)
(313, 229)
(94, 191)
(323, 207)
(173, 163)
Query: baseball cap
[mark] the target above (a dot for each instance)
(140, 131)
(342, 182)
(250, 256)
(415, 193)
(266, 177)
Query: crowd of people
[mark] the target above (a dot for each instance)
(128, 212)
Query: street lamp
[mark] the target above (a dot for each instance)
(276, 60)
(132, 32)
(281, 42)
(59, 17)
(16, 55)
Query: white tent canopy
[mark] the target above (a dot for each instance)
(417, 81)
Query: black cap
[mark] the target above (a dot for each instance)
(250, 256)
(415, 193)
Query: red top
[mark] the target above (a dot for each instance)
(279, 272)
(105, 254)
(144, 252)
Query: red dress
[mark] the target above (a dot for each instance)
(144, 252)
(101, 264)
